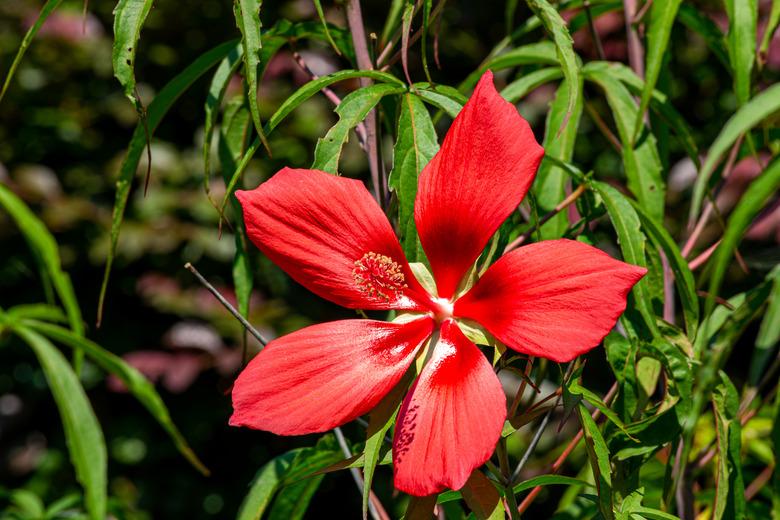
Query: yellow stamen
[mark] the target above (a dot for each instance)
(379, 276)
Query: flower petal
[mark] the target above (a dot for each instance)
(485, 166)
(316, 227)
(451, 419)
(325, 375)
(555, 299)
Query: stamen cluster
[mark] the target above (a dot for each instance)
(379, 276)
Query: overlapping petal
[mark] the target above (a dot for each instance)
(485, 166)
(315, 226)
(555, 299)
(325, 375)
(451, 419)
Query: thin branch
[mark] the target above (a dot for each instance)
(377, 511)
(560, 207)
(358, 478)
(360, 129)
(556, 466)
(248, 326)
(594, 35)
(542, 426)
(358, 32)
(602, 126)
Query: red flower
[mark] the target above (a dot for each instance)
(555, 299)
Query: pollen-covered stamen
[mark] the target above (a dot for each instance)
(379, 276)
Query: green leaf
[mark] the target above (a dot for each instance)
(445, 98)
(247, 13)
(660, 104)
(46, 10)
(564, 47)
(264, 486)
(233, 140)
(137, 384)
(549, 480)
(352, 110)
(632, 243)
(769, 30)
(129, 17)
(598, 453)
(37, 311)
(415, 145)
(321, 14)
(640, 159)
(753, 112)
(216, 93)
(683, 277)
(559, 138)
(85, 440)
(46, 252)
(769, 333)
(154, 114)
(621, 354)
(741, 43)
(662, 15)
(294, 101)
(730, 488)
(755, 197)
(381, 419)
(482, 497)
(575, 388)
(526, 83)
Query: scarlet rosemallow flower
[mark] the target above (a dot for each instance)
(555, 299)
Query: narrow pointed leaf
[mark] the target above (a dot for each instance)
(85, 440)
(46, 10)
(753, 112)
(129, 18)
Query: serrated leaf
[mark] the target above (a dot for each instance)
(730, 489)
(415, 145)
(445, 98)
(247, 13)
(749, 115)
(129, 18)
(598, 454)
(632, 243)
(683, 277)
(564, 47)
(352, 110)
(85, 440)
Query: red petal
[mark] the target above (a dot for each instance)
(555, 299)
(451, 419)
(315, 226)
(325, 375)
(486, 164)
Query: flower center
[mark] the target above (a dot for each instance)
(379, 276)
(442, 309)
